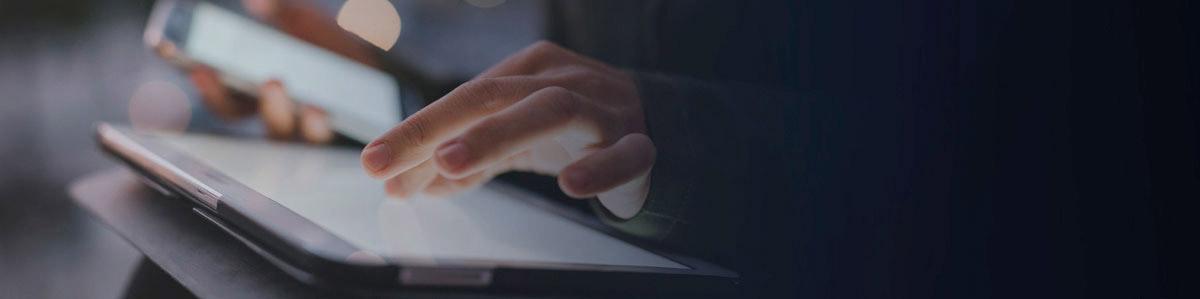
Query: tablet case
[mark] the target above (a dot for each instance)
(204, 259)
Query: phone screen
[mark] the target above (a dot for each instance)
(362, 102)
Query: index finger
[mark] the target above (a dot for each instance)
(414, 140)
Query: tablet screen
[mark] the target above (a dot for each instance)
(328, 187)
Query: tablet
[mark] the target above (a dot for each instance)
(316, 214)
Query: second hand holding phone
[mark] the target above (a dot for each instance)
(362, 102)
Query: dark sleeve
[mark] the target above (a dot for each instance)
(723, 151)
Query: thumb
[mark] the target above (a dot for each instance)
(618, 174)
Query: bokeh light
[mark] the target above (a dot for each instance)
(159, 106)
(375, 21)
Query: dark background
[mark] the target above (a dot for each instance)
(992, 148)
(1002, 149)
(63, 66)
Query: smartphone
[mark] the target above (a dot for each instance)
(362, 102)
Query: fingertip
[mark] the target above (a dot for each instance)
(639, 149)
(272, 85)
(628, 159)
(375, 159)
(575, 182)
(315, 126)
(452, 158)
(277, 111)
(272, 91)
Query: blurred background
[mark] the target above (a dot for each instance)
(66, 65)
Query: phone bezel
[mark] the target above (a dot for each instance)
(305, 245)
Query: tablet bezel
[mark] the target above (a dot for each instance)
(307, 246)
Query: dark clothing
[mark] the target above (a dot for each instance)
(719, 82)
(914, 149)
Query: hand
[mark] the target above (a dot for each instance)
(546, 110)
(284, 119)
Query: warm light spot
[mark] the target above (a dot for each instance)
(375, 21)
(159, 106)
(485, 3)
